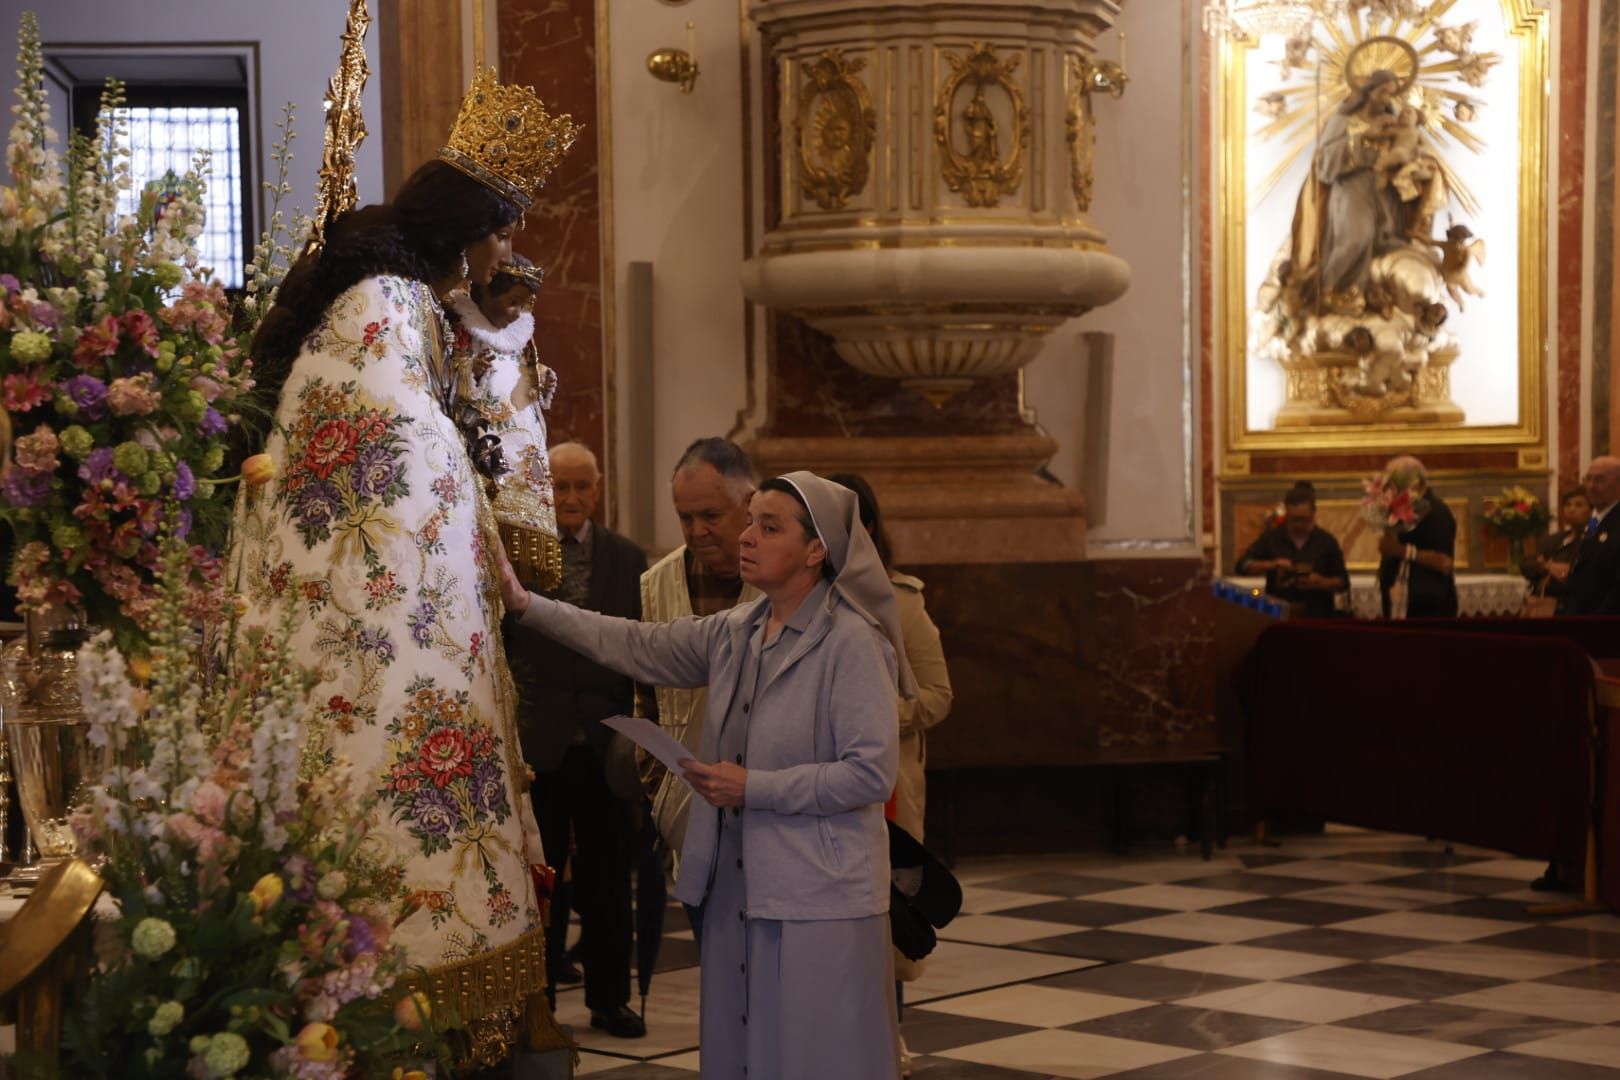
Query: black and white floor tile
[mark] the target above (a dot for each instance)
(1351, 954)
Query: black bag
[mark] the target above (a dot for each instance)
(930, 899)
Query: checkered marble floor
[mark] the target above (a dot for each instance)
(1351, 954)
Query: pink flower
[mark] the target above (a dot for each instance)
(133, 396)
(208, 803)
(96, 341)
(209, 388)
(24, 392)
(39, 450)
(140, 329)
(208, 840)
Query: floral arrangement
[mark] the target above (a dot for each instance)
(1518, 513)
(1276, 517)
(121, 366)
(1393, 501)
(254, 916)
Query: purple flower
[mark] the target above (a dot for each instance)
(10, 283)
(360, 940)
(98, 467)
(373, 470)
(26, 487)
(45, 315)
(318, 504)
(421, 622)
(212, 423)
(89, 394)
(488, 789)
(185, 484)
(435, 811)
(375, 642)
(300, 875)
(182, 524)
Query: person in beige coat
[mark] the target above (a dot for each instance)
(932, 702)
(711, 486)
(929, 704)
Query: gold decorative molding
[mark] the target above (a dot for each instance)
(980, 172)
(1084, 75)
(835, 130)
(335, 191)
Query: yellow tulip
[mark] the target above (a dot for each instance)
(412, 1011)
(317, 1042)
(266, 891)
(258, 470)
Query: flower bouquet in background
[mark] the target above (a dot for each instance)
(1393, 501)
(121, 367)
(1518, 516)
(252, 934)
(1275, 518)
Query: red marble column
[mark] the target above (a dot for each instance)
(1571, 150)
(550, 45)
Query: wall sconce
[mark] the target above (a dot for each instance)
(676, 65)
(1105, 76)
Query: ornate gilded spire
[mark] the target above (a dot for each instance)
(505, 139)
(345, 126)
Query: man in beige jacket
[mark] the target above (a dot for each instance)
(712, 484)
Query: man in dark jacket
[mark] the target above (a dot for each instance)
(1594, 581)
(563, 699)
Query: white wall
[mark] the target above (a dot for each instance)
(298, 52)
(677, 182)
(1142, 182)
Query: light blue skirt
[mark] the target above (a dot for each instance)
(792, 1000)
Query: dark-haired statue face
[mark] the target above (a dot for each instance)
(503, 308)
(484, 255)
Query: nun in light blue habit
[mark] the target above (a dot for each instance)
(789, 862)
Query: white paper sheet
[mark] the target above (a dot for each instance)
(653, 739)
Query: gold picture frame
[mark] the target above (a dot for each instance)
(1529, 26)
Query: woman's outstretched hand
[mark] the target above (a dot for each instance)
(513, 591)
(720, 785)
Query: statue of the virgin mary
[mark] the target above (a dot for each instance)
(379, 537)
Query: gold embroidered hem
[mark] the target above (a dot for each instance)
(500, 996)
(536, 555)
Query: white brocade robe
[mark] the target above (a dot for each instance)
(494, 361)
(372, 530)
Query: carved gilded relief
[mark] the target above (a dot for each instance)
(970, 136)
(835, 129)
(1081, 132)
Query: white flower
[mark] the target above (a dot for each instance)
(152, 938)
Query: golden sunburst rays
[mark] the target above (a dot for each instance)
(1433, 58)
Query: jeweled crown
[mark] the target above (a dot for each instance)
(504, 138)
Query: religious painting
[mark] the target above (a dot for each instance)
(1383, 189)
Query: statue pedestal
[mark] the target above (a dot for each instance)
(1322, 393)
(957, 499)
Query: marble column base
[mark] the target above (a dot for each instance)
(964, 499)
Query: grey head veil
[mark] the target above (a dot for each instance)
(859, 577)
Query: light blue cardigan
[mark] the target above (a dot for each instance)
(822, 747)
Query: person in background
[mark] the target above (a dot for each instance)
(563, 699)
(1303, 564)
(1426, 549)
(1548, 569)
(930, 705)
(711, 486)
(1594, 582)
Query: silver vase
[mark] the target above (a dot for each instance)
(52, 758)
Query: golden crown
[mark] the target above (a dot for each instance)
(505, 139)
(534, 276)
